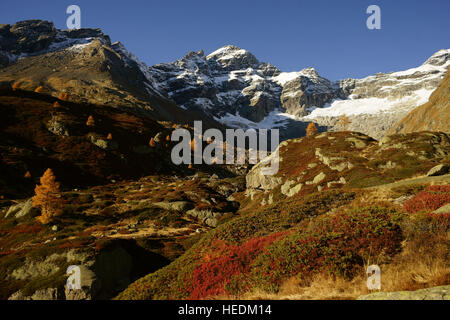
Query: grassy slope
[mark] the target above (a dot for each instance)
(259, 250)
(27, 145)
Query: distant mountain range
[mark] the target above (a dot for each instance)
(228, 87)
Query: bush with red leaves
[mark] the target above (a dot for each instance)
(430, 199)
(218, 274)
(339, 244)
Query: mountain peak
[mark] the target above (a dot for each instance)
(233, 58)
(439, 58)
(310, 72)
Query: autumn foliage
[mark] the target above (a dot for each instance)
(63, 96)
(340, 245)
(27, 175)
(16, 85)
(221, 273)
(152, 143)
(56, 105)
(311, 129)
(39, 89)
(430, 199)
(48, 197)
(109, 137)
(90, 121)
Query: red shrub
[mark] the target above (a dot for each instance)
(339, 244)
(430, 199)
(213, 274)
(439, 222)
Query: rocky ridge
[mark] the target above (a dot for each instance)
(229, 85)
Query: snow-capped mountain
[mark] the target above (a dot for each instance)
(229, 85)
(84, 64)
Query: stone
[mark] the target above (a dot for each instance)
(212, 222)
(443, 209)
(175, 205)
(103, 143)
(438, 170)
(358, 143)
(384, 140)
(158, 137)
(42, 294)
(56, 126)
(319, 178)
(22, 209)
(388, 165)
(207, 217)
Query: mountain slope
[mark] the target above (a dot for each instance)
(316, 217)
(228, 87)
(84, 64)
(36, 135)
(235, 88)
(432, 116)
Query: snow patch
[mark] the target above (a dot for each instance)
(372, 105)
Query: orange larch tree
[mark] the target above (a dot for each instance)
(311, 129)
(15, 86)
(48, 197)
(63, 96)
(90, 121)
(39, 89)
(109, 137)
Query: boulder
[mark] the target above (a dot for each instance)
(43, 294)
(289, 190)
(207, 217)
(319, 178)
(443, 209)
(22, 209)
(358, 143)
(175, 205)
(438, 170)
(103, 143)
(57, 126)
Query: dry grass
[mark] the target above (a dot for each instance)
(320, 287)
(423, 262)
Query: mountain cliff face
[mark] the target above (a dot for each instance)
(84, 64)
(432, 116)
(229, 86)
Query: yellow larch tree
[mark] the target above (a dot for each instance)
(311, 129)
(48, 197)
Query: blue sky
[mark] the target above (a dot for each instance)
(330, 35)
